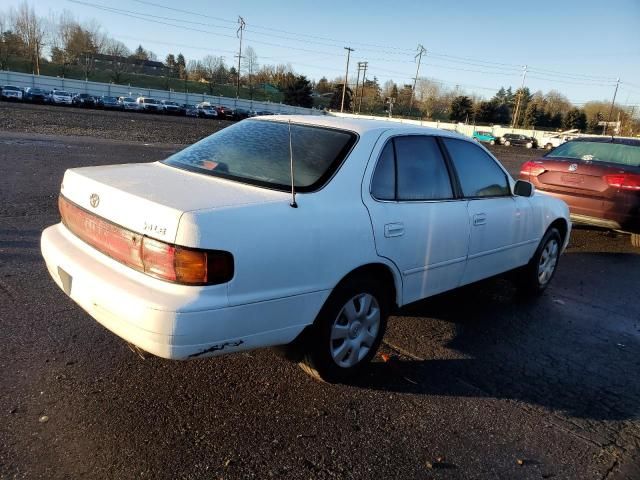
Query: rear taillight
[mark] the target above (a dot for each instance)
(623, 181)
(158, 259)
(532, 169)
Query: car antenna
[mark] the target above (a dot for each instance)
(293, 183)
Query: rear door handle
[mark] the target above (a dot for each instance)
(479, 219)
(393, 230)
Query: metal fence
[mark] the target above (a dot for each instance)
(113, 90)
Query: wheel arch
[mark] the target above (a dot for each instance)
(386, 275)
(562, 226)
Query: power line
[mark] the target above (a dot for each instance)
(391, 50)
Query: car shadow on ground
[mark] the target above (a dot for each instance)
(561, 351)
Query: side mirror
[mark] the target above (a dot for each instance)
(523, 188)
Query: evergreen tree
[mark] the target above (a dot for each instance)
(299, 93)
(181, 66)
(461, 109)
(336, 99)
(575, 119)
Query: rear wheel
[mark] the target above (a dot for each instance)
(635, 239)
(535, 277)
(347, 332)
(529, 145)
(548, 146)
(492, 142)
(507, 143)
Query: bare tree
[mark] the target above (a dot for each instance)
(31, 29)
(118, 52)
(250, 65)
(211, 68)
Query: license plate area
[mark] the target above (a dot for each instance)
(66, 280)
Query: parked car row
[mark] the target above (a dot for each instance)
(138, 104)
(507, 139)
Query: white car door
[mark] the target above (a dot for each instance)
(501, 225)
(419, 222)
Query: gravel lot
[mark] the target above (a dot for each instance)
(479, 385)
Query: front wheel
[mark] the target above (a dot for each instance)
(535, 277)
(507, 143)
(492, 142)
(347, 332)
(635, 239)
(529, 145)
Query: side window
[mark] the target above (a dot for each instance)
(383, 186)
(413, 170)
(422, 173)
(479, 174)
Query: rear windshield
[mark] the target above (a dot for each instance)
(599, 152)
(257, 152)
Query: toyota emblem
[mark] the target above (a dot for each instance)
(94, 200)
(573, 167)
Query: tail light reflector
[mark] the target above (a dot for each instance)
(623, 181)
(532, 169)
(158, 259)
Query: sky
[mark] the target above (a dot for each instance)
(579, 48)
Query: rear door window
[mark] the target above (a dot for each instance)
(412, 168)
(479, 174)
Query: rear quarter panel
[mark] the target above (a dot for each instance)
(280, 251)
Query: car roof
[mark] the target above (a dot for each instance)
(359, 125)
(634, 142)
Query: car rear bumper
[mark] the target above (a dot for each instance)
(168, 320)
(610, 213)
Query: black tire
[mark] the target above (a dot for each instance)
(529, 279)
(635, 239)
(317, 359)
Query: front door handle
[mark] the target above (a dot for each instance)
(479, 219)
(393, 230)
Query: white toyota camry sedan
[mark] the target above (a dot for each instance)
(299, 231)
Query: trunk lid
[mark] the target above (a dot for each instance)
(150, 198)
(576, 176)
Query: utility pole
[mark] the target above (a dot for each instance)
(514, 121)
(241, 27)
(364, 76)
(604, 129)
(355, 98)
(346, 77)
(421, 51)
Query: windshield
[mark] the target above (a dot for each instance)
(150, 100)
(10, 88)
(110, 99)
(61, 93)
(257, 152)
(128, 99)
(599, 152)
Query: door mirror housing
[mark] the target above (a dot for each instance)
(522, 188)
